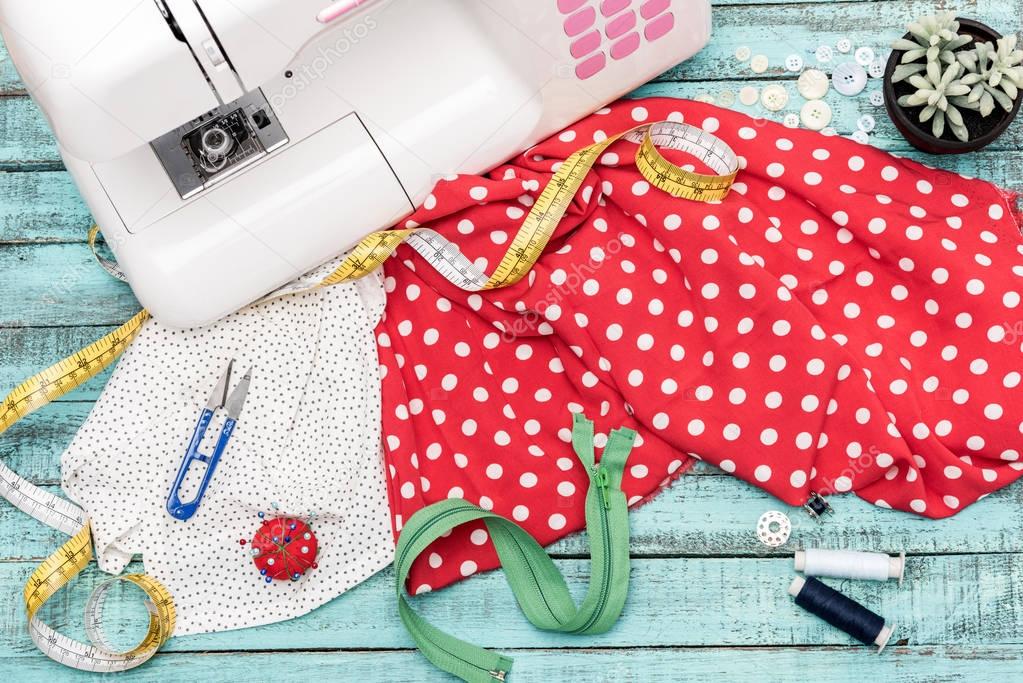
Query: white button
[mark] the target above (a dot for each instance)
(815, 114)
(829, 131)
(759, 64)
(749, 95)
(705, 98)
(849, 79)
(774, 97)
(876, 68)
(864, 55)
(844, 45)
(726, 98)
(743, 53)
(812, 84)
(791, 120)
(824, 53)
(866, 123)
(877, 98)
(794, 63)
(860, 137)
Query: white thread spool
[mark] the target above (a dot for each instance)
(850, 564)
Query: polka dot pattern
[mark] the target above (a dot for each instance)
(813, 331)
(308, 440)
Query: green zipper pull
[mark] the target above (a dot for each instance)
(602, 479)
(539, 587)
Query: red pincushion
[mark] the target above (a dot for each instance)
(284, 549)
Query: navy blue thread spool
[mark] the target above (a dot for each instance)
(841, 612)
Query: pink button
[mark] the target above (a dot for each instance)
(609, 8)
(586, 44)
(569, 6)
(625, 47)
(659, 26)
(591, 66)
(580, 21)
(620, 25)
(652, 8)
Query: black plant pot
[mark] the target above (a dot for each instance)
(919, 134)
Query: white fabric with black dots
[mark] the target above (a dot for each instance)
(308, 440)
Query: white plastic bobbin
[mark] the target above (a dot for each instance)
(774, 528)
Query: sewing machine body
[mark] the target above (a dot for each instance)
(229, 146)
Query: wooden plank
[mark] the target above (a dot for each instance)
(33, 446)
(25, 351)
(778, 30)
(969, 600)
(708, 516)
(41, 207)
(59, 284)
(944, 664)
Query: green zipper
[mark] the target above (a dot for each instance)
(539, 588)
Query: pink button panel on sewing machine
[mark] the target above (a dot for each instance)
(611, 28)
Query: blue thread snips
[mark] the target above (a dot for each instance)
(218, 400)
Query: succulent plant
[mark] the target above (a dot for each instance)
(935, 92)
(994, 74)
(949, 78)
(935, 37)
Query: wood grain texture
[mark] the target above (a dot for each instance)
(971, 599)
(703, 516)
(708, 601)
(942, 664)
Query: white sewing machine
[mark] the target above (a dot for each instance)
(229, 146)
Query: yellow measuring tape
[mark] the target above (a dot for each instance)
(550, 207)
(367, 256)
(543, 218)
(71, 558)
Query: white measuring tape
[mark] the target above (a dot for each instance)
(71, 558)
(442, 254)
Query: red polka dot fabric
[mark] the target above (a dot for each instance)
(845, 320)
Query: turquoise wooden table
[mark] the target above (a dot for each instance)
(708, 601)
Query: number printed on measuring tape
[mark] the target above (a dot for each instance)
(72, 557)
(544, 216)
(550, 207)
(371, 252)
